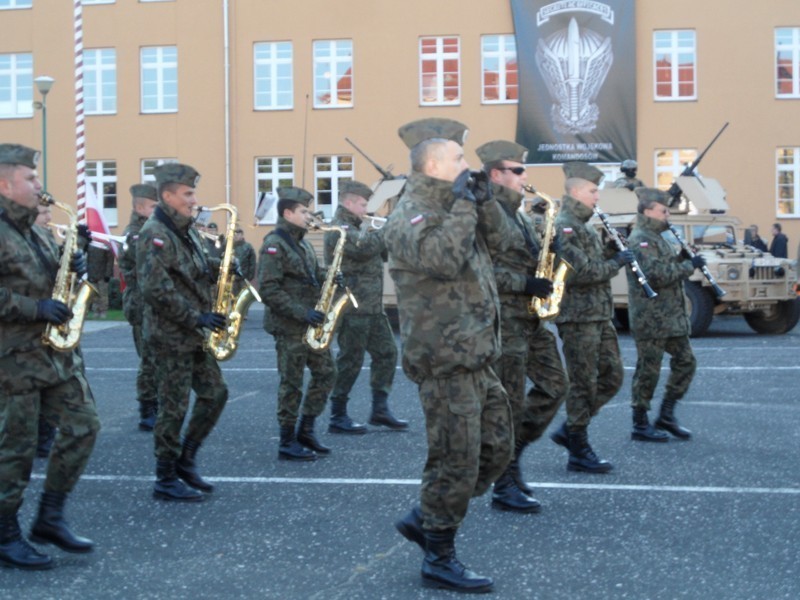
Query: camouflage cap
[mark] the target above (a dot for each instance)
(144, 190)
(427, 129)
(176, 173)
(501, 150)
(648, 195)
(355, 187)
(295, 194)
(17, 154)
(582, 170)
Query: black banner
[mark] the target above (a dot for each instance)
(577, 79)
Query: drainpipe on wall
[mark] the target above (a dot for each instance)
(226, 51)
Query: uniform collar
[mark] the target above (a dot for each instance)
(21, 216)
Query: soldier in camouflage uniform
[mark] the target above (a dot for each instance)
(590, 345)
(366, 329)
(246, 255)
(34, 377)
(659, 324)
(176, 279)
(144, 199)
(449, 311)
(529, 348)
(290, 282)
(101, 268)
(213, 245)
(629, 179)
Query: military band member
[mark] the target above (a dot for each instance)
(590, 345)
(100, 259)
(366, 329)
(529, 348)
(144, 198)
(450, 327)
(290, 281)
(34, 377)
(176, 281)
(628, 179)
(659, 324)
(246, 255)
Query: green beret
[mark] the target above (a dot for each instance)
(355, 187)
(648, 195)
(501, 150)
(427, 129)
(144, 190)
(16, 154)
(176, 173)
(582, 170)
(295, 194)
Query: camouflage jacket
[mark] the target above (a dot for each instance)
(100, 263)
(175, 278)
(247, 258)
(132, 303)
(446, 293)
(587, 293)
(362, 260)
(289, 279)
(628, 182)
(665, 315)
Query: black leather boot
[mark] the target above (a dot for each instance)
(340, 421)
(582, 457)
(51, 528)
(507, 496)
(514, 468)
(186, 467)
(305, 435)
(147, 415)
(47, 435)
(381, 415)
(169, 487)
(561, 436)
(441, 569)
(643, 431)
(290, 448)
(668, 422)
(17, 552)
(410, 527)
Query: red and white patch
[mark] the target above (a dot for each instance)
(644, 245)
(417, 219)
(272, 250)
(158, 242)
(567, 230)
(136, 237)
(344, 226)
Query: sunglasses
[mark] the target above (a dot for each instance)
(514, 170)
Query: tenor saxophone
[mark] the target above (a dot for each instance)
(75, 292)
(223, 344)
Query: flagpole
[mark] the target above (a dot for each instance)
(80, 131)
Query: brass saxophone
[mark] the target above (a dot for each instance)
(547, 308)
(319, 338)
(76, 293)
(223, 344)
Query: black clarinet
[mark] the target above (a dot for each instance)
(637, 270)
(704, 269)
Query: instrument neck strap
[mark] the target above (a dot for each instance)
(288, 239)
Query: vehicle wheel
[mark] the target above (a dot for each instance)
(621, 320)
(781, 318)
(700, 306)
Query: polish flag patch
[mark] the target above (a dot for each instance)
(272, 250)
(644, 245)
(136, 237)
(418, 219)
(158, 242)
(567, 230)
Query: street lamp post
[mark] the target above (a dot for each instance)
(43, 84)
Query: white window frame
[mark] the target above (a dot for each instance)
(337, 174)
(794, 169)
(104, 75)
(674, 51)
(793, 47)
(679, 159)
(148, 164)
(503, 57)
(269, 182)
(271, 66)
(90, 2)
(438, 57)
(19, 81)
(98, 181)
(16, 4)
(333, 63)
(163, 67)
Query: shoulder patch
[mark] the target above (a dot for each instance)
(418, 219)
(272, 250)
(567, 230)
(644, 245)
(158, 242)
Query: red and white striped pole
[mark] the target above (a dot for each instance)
(80, 131)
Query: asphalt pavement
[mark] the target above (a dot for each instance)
(715, 517)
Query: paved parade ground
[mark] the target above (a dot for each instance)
(716, 517)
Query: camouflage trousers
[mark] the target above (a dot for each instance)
(682, 366)
(293, 357)
(67, 404)
(357, 335)
(146, 382)
(594, 366)
(470, 441)
(100, 302)
(180, 372)
(529, 349)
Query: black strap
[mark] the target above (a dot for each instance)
(312, 278)
(34, 243)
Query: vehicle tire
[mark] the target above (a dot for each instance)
(621, 320)
(700, 306)
(781, 319)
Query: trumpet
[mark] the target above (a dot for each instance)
(61, 230)
(375, 222)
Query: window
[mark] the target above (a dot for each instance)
(273, 76)
(329, 171)
(159, 79)
(670, 164)
(148, 164)
(100, 81)
(787, 62)
(12, 4)
(499, 69)
(439, 70)
(102, 176)
(333, 74)
(272, 173)
(674, 53)
(788, 176)
(16, 86)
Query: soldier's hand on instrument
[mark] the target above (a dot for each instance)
(338, 279)
(539, 287)
(314, 317)
(698, 262)
(237, 267)
(555, 244)
(52, 311)
(211, 320)
(85, 233)
(481, 186)
(625, 257)
(78, 263)
(461, 187)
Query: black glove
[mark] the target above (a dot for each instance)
(211, 320)
(625, 257)
(338, 279)
(541, 288)
(461, 187)
(84, 233)
(314, 317)
(698, 262)
(555, 244)
(52, 311)
(78, 263)
(481, 186)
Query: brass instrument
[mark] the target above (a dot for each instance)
(96, 235)
(76, 293)
(718, 291)
(547, 308)
(223, 344)
(319, 337)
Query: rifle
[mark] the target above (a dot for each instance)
(675, 190)
(385, 173)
